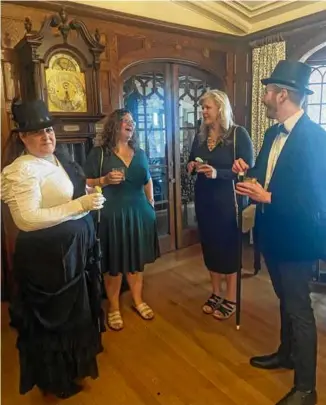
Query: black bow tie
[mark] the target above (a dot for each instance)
(282, 130)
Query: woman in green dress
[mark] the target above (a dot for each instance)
(128, 228)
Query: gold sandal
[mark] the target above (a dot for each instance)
(115, 321)
(144, 311)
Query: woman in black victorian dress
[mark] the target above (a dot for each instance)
(53, 310)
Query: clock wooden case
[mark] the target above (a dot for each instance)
(60, 64)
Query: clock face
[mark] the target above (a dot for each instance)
(65, 85)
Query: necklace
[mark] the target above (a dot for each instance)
(212, 142)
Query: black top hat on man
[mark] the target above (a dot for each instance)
(294, 75)
(31, 115)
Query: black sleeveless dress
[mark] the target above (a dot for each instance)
(215, 201)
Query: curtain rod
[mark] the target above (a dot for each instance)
(266, 40)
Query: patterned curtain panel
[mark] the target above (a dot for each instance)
(264, 60)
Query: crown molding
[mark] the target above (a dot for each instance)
(84, 10)
(220, 13)
(290, 27)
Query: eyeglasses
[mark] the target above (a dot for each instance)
(40, 131)
(129, 122)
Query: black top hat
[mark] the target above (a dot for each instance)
(292, 74)
(31, 115)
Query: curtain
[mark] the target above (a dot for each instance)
(264, 59)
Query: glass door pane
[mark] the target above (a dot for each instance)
(164, 101)
(145, 96)
(190, 91)
(191, 84)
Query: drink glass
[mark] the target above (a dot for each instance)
(121, 170)
(199, 164)
(248, 179)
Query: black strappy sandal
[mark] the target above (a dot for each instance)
(212, 304)
(225, 310)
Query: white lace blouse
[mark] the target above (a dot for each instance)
(38, 193)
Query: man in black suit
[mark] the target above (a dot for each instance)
(290, 215)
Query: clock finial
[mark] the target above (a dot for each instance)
(61, 22)
(97, 35)
(28, 25)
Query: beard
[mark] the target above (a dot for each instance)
(270, 111)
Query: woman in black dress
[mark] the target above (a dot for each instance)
(54, 310)
(217, 145)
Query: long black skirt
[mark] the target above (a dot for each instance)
(58, 337)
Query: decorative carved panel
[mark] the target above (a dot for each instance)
(11, 31)
(128, 44)
(9, 81)
(106, 92)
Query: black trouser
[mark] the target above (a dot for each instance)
(298, 328)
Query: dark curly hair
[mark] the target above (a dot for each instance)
(112, 128)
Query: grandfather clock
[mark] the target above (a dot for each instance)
(60, 64)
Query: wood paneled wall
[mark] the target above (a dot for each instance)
(127, 44)
(130, 40)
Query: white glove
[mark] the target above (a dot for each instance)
(91, 202)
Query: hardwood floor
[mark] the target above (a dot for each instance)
(182, 357)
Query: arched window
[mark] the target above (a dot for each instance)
(316, 103)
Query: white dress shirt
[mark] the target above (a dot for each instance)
(278, 145)
(38, 193)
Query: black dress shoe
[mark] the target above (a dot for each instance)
(271, 361)
(295, 397)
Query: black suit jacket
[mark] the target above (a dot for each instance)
(293, 226)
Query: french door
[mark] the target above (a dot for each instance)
(164, 101)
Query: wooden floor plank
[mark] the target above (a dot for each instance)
(182, 357)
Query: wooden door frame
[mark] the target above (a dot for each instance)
(189, 236)
(168, 241)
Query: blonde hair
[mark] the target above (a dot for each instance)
(225, 113)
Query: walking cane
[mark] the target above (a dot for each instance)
(240, 209)
(99, 275)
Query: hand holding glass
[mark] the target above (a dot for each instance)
(200, 162)
(251, 180)
(120, 170)
(115, 176)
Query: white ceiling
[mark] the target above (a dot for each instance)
(228, 16)
(245, 17)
